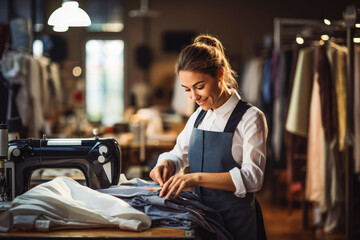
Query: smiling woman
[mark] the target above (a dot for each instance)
(223, 142)
(207, 91)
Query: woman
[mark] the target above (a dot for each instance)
(223, 142)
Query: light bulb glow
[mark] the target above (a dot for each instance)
(76, 71)
(299, 40)
(327, 22)
(325, 37)
(356, 40)
(59, 28)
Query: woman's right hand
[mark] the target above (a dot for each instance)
(163, 171)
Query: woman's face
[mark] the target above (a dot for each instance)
(204, 89)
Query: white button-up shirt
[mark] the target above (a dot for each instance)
(248, 144)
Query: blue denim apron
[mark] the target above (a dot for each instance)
(211, 152)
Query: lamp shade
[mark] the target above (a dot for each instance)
(69, 14)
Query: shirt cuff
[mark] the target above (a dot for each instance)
(240, 190)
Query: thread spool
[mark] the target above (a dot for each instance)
(3, 141)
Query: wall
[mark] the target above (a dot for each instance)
(240, 24)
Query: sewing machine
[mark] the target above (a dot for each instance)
(99, 159)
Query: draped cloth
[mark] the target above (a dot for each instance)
(63, 203)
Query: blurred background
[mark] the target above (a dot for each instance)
(297, 61)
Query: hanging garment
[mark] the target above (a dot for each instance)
(45, 88)
(4, 98)
(298, 113)
(357, 110)
(4, 37)
(314, 188)
(340, 89)
(251, 81)
(333, 192)
(15, 69)
(279, 102)
(21, 33)
(331, 205)
(62, 203)
(275, 71)
(37, 118)
(206, 155)
(266, 85)
(185, 212)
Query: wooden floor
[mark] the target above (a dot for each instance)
(281, 225)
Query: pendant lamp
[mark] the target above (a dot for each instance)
(69, 15)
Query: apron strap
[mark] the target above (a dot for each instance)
(199, 118)
(234, 119)
(237, 115)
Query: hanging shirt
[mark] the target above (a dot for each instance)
(248, 145)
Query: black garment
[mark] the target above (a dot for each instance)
(4, 97)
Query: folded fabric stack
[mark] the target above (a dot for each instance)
(185, 212)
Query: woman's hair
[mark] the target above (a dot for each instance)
(206, 55)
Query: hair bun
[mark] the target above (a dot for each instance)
(209, 41)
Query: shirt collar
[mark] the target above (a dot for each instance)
(229, 105)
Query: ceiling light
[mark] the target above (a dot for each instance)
(144, 10)
(325, 37)
(69, 14)
(327, 22)
(58, 28)
(299, 40)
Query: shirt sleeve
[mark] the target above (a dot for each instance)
(253, 130)
(179, 154)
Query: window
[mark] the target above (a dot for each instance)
(105, 81)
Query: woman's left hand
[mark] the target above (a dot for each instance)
(177, 183)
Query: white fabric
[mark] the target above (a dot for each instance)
(64, 203)
(55, 75)
(248, 148)
(35, 97)
(44, 62)
(251, 81)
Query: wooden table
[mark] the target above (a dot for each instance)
(103, 233)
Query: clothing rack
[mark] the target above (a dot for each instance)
(285, 30)
(351, 14)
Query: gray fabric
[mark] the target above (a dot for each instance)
(185, 212)
(21, 33)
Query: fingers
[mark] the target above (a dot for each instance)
(154, 189)
(182, 186)
(173, 185)
(155, 174)
(165, 187)
(166, 174)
